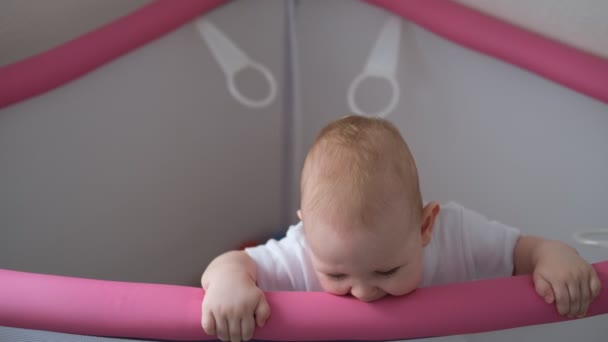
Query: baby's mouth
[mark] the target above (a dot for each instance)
(370, 299)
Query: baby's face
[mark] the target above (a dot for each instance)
(365, 262)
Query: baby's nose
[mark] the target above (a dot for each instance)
(365, 293)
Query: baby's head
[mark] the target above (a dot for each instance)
(362, 211)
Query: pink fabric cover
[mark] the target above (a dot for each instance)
(45, 71)
(121, 309)
(560, 63)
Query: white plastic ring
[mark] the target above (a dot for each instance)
(272, 85)
(382, 113)
(597, 238)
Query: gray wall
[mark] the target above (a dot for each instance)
(147, 168)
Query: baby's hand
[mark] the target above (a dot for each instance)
(231, 309)
(563, 277)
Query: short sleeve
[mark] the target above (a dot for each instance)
(283, 265)
(491, 245)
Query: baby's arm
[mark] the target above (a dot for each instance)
(233, 303)
(560, 274)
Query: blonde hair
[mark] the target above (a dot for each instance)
(353, 154)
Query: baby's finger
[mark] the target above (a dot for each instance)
(208, 322)
(595, 285)
(562, 298)
(221, 327)
(234, 329)
(543, 288)
(585, 298)
(574, 290)
(247, 328)
(262, 312)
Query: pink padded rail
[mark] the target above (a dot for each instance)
(48, 70)
(560, 63)
(135, 310)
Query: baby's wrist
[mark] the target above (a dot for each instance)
(231, 279)
(548, 247)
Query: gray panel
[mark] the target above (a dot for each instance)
(147, 168)
(8, 334)
(28, 335)
(498, 139)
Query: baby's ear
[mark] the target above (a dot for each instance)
(429, 214)
(299, 212)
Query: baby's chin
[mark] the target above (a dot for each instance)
(377, 297)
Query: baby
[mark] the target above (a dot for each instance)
(364, 231)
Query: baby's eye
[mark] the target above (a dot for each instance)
(336, 276)
(388, 273)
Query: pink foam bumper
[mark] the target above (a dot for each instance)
(136, 310)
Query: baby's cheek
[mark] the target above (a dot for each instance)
(402, 285)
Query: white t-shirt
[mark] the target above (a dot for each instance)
(465, 246)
